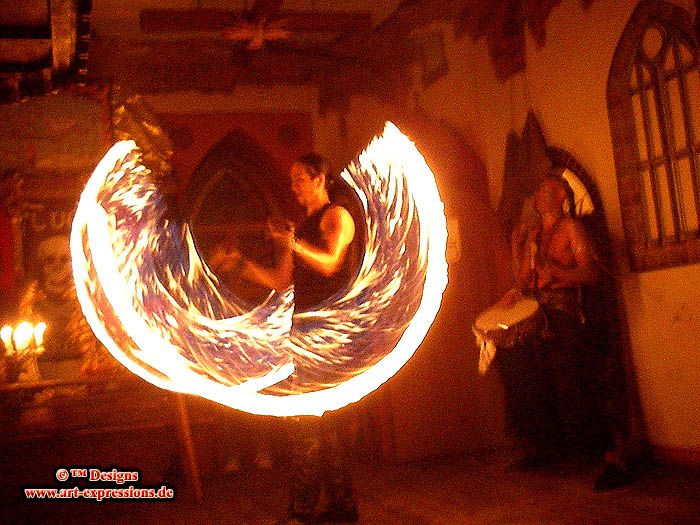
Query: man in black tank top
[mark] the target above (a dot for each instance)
(316, 261)
(312, 287)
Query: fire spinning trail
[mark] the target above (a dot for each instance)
(162, 313)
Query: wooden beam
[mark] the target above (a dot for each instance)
(327, 22)
(211, 20)
(188, 452)
(24, 54)
(391, 37)
(205, 65)
(183, 20)
(265, 9)
(27, 13)
(25, 32)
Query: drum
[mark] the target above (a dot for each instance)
(506, 326)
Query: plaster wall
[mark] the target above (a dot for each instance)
(565, 84)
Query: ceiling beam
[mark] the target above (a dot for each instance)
(185, 20)
(212, 20)
(360, 60)
(391, 37)
(206, 65)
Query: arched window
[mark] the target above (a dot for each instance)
(654, 111)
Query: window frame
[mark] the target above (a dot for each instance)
(647, 253)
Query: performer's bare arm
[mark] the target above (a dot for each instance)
(278, 277)
(338, 230)
(517, 245)
(523, 251)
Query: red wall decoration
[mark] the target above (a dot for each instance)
(285, 136)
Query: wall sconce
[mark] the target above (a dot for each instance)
(24, 340)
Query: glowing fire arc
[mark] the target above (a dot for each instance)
(164, 315)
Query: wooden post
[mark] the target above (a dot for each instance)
(189, 455)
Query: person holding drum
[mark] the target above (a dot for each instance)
(549, 374)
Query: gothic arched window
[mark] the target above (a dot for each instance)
(654, 111)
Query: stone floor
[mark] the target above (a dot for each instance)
(459, 490)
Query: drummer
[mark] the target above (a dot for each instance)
(552, 252)
(548, 383)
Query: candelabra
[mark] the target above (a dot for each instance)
(22, 342)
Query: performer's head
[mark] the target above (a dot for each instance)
(551, 194)
(309, 177)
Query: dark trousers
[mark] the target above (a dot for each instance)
(552, 392)
(320, 482)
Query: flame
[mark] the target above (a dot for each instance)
(39, 330)
(163, 314)
(22, 336)
(6, 336)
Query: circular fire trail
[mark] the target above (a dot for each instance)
(164, 315)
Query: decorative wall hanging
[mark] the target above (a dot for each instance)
(502, 24)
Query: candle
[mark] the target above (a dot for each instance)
(23, 335)
(6, 334)
(39, 334)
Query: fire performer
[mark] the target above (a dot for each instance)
(316, 258)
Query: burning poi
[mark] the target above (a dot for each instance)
(161, 312)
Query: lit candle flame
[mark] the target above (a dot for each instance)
(39, 330)
(22, 336)
(6, 335)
